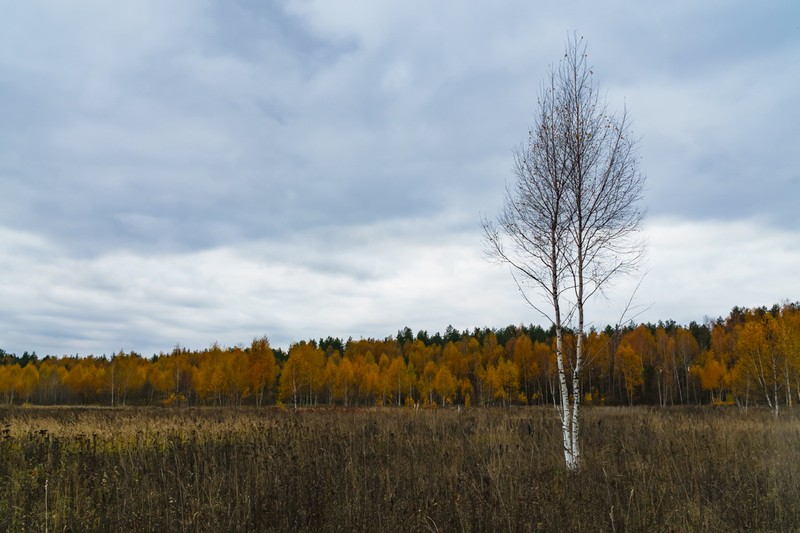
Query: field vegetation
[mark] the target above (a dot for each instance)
(396, 469)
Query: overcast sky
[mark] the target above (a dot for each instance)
(187, 172)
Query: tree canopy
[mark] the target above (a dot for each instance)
(750, 358)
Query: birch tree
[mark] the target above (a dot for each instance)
(570, 217)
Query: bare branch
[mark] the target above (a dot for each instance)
(570, 220)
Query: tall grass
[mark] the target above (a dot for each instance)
(395, 470)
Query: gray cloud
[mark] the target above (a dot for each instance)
(151, 155)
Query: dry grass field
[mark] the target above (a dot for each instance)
(204, 469)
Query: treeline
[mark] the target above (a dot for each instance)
(751, 358)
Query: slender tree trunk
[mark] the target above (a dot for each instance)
(775, 385)
(747, 395)
(576, 374)
(797, 386)
(658, 381)
(788, 383)
(576, 405)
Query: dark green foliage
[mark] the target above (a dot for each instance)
(330, 345)
(702, 334)
(395, 470)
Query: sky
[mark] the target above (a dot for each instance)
(191, 172)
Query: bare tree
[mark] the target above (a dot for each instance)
(570, 219)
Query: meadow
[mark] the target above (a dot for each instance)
(395, 469)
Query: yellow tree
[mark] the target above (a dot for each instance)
(397, 379)
(331, 371)
(383, 385)
(526, 363)
(473, 355)
(466, 390)
(51, 377)
(237, 377)
(366, 377)
(723, 344)
(410, 381)
(711, 373)
(183, 364)
(418, 354)
(642, 341)
(303, 374)
(26, 381)
(492, 350)
(128, 375)
(345, 382)
(208, 376)
(545, 358)
(490, 354)
(290, 384)
(686, 352)
(87, 378)
(222, 376)
(503, 379)
(426, 381)
(161, 375)
(629, 363)
(9, 375)
(508, 376)
(667, 382)
(722, 348)
(760, 361)
(455, 360)
(790, 321)
(597, 349)
(445, 385)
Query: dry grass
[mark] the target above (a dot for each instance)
(71, 469)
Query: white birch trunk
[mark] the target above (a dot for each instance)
(576, 401)
(564, 408)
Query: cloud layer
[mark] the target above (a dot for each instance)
(204, 171)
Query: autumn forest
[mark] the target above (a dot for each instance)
(750, 358)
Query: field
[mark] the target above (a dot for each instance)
(204, 469)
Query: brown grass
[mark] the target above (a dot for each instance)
(72, 469)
